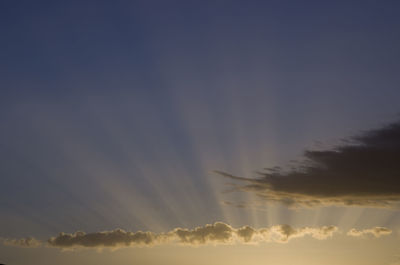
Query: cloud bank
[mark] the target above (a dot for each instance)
(363, 172)
(28, 242)
(210, 234)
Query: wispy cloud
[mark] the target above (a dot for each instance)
(376, 231)
(210, 234)
(28, 242)
(286, 232)
(362, 172)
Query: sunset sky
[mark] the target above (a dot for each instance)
(200, 132)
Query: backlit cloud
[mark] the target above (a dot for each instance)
(115, 238)
(286, 232)
(362, 172)
(210, 234)
(216, 233)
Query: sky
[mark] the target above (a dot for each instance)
(199, 132)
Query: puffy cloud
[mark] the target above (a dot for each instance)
(210, 234)
(246, 233)
(115, 238)
(215, 233)
(376, 231)
(362, 172)
(28, 242)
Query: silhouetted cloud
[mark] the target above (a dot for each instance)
(115, 238)
(214, 234)
(362, 172)
(376, 231)
(210, 234)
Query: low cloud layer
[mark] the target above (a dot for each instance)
(211, 234)
(28, 242)
(363, 172)
(115, 238)
(376, 231)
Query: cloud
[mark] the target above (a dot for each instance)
(215, 233)
(364, 171)
(376, 231)
(28, 242)
(210, 234)
(286, 232)
(115, 238)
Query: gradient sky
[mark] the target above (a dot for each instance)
(115, 114)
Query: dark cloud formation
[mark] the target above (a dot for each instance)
(365, 171)
(376, 231)
(210, 234)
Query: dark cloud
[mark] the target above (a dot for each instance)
(246, 233)
(210, 234)
(115, 238)
(364, 171)
(215, 233)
